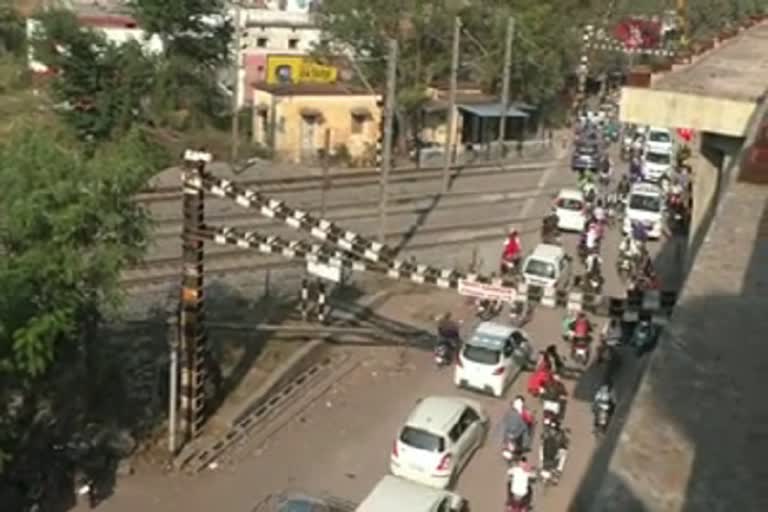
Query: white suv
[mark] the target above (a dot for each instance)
(645, 205)
(437, 440)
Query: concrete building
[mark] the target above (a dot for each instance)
(270, 27)
(293, 120)
(111, 18)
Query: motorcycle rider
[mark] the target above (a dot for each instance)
(448, 332)
(554, 360)
(610, 336)
(581, 327)
(622, 189)
(549, 226)
(518, 424)
(594, 265)
(520, 489)
(635, 169)
(639, 232)
(592, 237)
(554, 447)
(553, 391)
(598, 212)
(513, 250)
(605, 396)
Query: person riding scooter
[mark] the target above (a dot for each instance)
(581, 328)
(553, 396)
(519, 489)
(553, 451)
(549, 229)
(448, 339)
(603, 406)
(513, 251)
(518, 425)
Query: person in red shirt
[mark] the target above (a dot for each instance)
(512, 251)
(581, 327)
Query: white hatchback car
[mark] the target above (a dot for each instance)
(437, 440)
(660, 140)
(645, 205)
(570, 208)
(491, 358)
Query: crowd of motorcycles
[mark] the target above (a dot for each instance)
(605, 208)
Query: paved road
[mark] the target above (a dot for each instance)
(340, 443)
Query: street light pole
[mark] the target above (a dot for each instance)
(237, 79)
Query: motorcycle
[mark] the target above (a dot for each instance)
(553, 453)
(520, 313)
(488, 309)
(625, 265)
(552, 411)
(511, 451)
(510, 267)
(444, 352)
(550, 234)
(603, 412)
(580, 350)
(592, 283)
(644, 337)
(519, 503)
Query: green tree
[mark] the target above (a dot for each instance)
(102, 87)
(197, 38)
(70, 227)
(12, 30)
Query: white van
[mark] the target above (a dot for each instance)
(645, 205)
(395, 494)
(491, 358)
(548, 266)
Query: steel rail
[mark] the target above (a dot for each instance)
(357, 179)
(169, 228)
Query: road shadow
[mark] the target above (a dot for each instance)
(697, 433)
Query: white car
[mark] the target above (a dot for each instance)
(393, 493)
(645, 205)
(656, 164)
(491, 358)
(548, 266)
(570, 209)
(660, 140)
(437, 440)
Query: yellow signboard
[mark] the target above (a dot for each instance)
(297, 69)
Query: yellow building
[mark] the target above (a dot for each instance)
(293, 121)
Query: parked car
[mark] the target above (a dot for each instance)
(437, 440)
(492, 357)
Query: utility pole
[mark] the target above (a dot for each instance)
(505, 86)
(451, 129)
(386, 157)
(237, 79)
(173, 384)
(326, 162)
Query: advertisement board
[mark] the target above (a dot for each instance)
(486, 291)
(298, 69)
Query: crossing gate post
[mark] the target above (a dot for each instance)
(192, 349)
(321, 311)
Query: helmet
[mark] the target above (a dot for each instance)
(518, 403)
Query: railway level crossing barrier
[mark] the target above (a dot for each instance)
(340, 249)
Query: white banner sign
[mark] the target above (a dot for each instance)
(324, 271)
(486, 291)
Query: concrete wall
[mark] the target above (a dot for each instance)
(286, 129)
(677, 110)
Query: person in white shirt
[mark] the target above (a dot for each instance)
(520, 476)
(591, 239)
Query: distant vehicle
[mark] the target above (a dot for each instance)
(570, 208)
(585, 157)
(656, 165)
(492, 357)
(301, 502)
(396, 494)
(437, 440)
(645, 205)
(659, 140)
(547, 266)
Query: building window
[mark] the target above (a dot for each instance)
(262, 42)
(358, 124)
(293, 44)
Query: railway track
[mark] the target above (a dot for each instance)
(352, 180)
(401, 204)
(160, 271)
